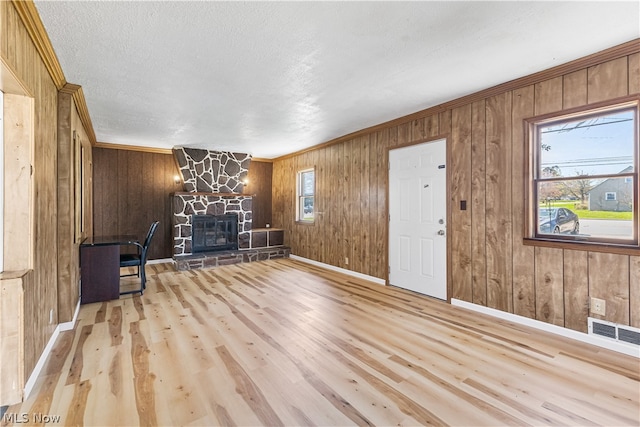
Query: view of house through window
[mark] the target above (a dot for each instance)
(585, 176)
(306, 193)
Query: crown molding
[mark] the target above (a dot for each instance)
(625, 49)
(81, 107)
(31, 19)
(70, 89)
(113, 146)
(133, 148)
(83, 112)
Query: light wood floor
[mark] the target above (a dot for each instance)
(284, 343)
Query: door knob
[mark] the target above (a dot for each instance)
(440, 232)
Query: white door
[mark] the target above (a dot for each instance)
(417, 218)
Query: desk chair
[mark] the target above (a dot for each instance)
(139, 259)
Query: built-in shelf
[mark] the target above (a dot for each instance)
(267, 237)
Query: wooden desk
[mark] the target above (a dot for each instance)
(100, 267)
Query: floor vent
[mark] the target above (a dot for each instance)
(614, 331)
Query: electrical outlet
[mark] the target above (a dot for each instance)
(598, 306)
(346, 261)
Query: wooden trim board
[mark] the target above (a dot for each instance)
(620, 347)
(339, 270)
(61, 327)
(624, 49)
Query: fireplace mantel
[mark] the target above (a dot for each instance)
(200, 193)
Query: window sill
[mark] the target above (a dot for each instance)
(305, 222)
(583, 246)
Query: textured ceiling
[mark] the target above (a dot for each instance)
(271, 78)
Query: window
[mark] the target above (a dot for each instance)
(306, 192)
(583, 176)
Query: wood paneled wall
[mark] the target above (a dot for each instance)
(75, 203)
(133, 188)
(259, 177)
(41, 292)
(488, 263)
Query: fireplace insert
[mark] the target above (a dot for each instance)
(214, 232)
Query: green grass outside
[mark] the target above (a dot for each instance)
(587, 214)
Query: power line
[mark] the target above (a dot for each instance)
(574, 164)
(580, 125)
(601, 159)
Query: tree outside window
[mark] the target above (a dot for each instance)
(583, 175)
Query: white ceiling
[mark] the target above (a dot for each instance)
(271, 78)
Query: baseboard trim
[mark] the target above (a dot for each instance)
(339, 270)
(31, 382)
(67, 326)
(61, 327)
(620, 347)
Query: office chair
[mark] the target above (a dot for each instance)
(139, 259)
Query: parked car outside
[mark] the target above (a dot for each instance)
(558, 220)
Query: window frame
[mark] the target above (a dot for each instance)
(300, 196)
(532, 158)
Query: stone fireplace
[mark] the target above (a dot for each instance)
(214, 185)
(213, 209)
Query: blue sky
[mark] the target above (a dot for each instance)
(600, 145)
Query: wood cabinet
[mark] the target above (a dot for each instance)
(100, 273)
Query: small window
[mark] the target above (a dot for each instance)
(306, 195)
(583, 176)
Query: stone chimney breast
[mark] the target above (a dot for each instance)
(206, 171)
